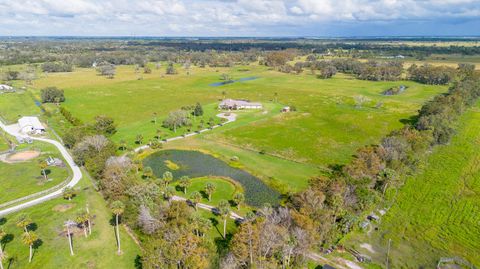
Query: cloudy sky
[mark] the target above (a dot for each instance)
(240, 17)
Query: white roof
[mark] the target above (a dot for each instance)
(232, 102)
(5, 87)
(30, 121)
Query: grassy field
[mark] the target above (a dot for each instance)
(16, 105)
(24, 178)
(224, 189)
(332, 126)
(436, 213)
(96, 251)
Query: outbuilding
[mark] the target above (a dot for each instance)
(6, 88)
(30, 125)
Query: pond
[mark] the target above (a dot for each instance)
(216, 84)
(196, 164)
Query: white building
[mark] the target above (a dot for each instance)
(6, 88)
(31, 125)
(231, 104)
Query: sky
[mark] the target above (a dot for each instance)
(272, 18)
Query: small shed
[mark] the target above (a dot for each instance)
(286, 109)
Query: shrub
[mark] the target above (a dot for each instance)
(52, 95)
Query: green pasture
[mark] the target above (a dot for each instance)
(224, 189)
(25, 178)
(326, 129)
(96, 251)
(436, 213)
(15, 105)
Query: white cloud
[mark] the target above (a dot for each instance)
(216, 17)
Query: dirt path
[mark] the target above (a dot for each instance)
(230, 118)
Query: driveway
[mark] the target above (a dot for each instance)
(77, 173)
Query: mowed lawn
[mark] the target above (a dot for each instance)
(437, 212)
(224, 189)
(96, 251)
(25, 178)
(15, 105)
(327, 128)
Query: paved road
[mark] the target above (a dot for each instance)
(77, 173)
(230, 118)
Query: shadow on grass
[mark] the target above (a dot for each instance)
(36, 245)
(32, 226)
(5, 240)
(138, 262)
(412, 120)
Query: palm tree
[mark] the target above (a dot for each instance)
(43, 166)
(209, 190)
(88, 219)
(185, 182)
(167, 178)
(23, 221)
(2, 235)
(68, 193)
(148, 172)
(82, 218)
(117, 208)
(168, 193)
(224, 211)
(139, 139)
(123, 144)
(68, 224)
(195, 197)
(3, 256)
(238, 198)
(154, 117)
(29, 238)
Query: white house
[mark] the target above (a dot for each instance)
(232, 104)
(31, 125)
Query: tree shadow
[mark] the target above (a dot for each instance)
(204, 194)
(5, 240)
(36, 245)
(32, 226)
(178, 188)
(223, 244)
(138, 262)
(113, 222)
(412, 120)
(3, 221)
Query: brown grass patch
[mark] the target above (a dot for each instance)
(23, 156)
(62, 207)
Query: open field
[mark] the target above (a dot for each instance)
(224, 189)
(23, 178)
(436, 213)
(96, 251)
(331, 125)
(16, 105)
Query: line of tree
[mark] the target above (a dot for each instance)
(332, 204)
(52, 67)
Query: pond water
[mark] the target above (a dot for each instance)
(196, 164)
(216, 84)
